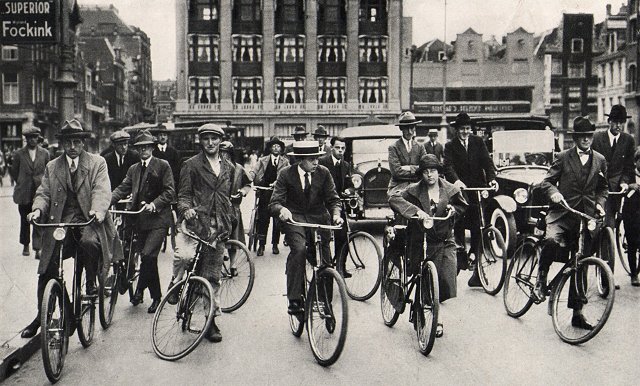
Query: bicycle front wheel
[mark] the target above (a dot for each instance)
(521, 280)
(327, 316)
(580, 290)
(427, 305)
(54, 336)
(108, 295)
(238, 275)
(178, 329)
(622, 246)
(85, 309)
(360, 259)
(296, 323)
(607, 253)
(390, 292)
(492, 257)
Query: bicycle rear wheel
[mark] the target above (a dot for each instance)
(178, 329)
(108, 295)
(622, 246)
(427, 305)
(361, 257)
(390, 291)
(521, 280)
(54, 338)
(492, 257)
(133, 273)
(583, 285)
(327, 316)
(84, 309)
(236, 282)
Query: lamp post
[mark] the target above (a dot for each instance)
(443, 122)
(412, 57)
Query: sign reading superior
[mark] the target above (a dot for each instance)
(28, 21)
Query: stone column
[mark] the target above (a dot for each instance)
(182, 56)
(352, 54)
(268, 60)
(226, 59)
(311, 55)
(394, 52)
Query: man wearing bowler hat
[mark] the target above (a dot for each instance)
(299, 134)
(75, 187)
(405, 154)
(578, 175)
(433, 146)
(119, 160)
(305, 193)
(321, 136)
(264, 174)
(150, 184)
(27, 170)
(166, 152)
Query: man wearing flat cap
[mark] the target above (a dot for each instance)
(75, 187)
(119, 160)
(321, 136)
(405, 154)
(432, 146)
(27, 170)
(299, 134)
(578, 175)
(166, 152)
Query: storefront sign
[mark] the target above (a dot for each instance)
(472, 107)
(28, 21)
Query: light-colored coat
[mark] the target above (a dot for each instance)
(257, 174)
(27, 174)
(399, 157)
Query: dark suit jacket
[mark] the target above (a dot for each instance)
(620, 165)
(398, 157)
(257, 174)
(437, 150)
(341, 175)
(474, 166)
(156, 187)
(562, 177)
(117, 173)
(323, 199)
(172, 156)
(27, 174)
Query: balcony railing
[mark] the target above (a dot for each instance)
(372, 106)
(247, 106)
(290, 107)
(204, 106)
(332, 106)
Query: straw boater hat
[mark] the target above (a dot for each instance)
(32, 131)
(72, 129)
(428, 161)
(119, 136)
(320, 132)
(407, 119)
(144, 137)
(618, 113)
(305, 149)
(211, 128)
(582, 125)
(462, 119)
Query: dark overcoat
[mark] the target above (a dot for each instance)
(117, 173)
(27, 174)
(473, 166)
(620, 164)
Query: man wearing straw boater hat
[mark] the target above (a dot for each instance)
(306, 193)
(150, 184)
(405, 154)
(75, 187)
(121, 158)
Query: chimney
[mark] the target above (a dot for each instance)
(608, 9)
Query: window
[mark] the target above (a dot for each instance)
(247, 48)
(603, 69)
(289, 90)
(9, 53)
(373, 90)
(520, 66)
(556, 66)
(204, 48)
(203, 89)
(332, 10)
(576, 70)
(206, 9)
(247, 10)
(332, 49)
(631, 74)
(373, 49)
(247, 90)
(291, 11)
(290, 48)
(441, 56)
(577, 45)
(10, 88)
(373, 10)
(332, 90)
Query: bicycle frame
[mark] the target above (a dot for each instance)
(132, 241)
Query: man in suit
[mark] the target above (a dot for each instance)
(405, 154)
(166, 152)
(299, 134)
(467, 164)
(578, 175)
(75, 187)
(433, 146)
(306, 193)
(264, 174)
(27, 170)
(150, 184)
(321, 136)
(119, 160)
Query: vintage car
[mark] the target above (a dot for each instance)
(368, 153)
(522, 150)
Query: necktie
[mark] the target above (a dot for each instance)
(275, 162)
(144, 169)
(120, 160)
(464, 143)
(73, 166)
(613, 146)
(307, 185)
(584, 156)
(408, 146)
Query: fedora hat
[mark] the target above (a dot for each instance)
(144, 137)
(407, 118)
(320, 132)
(72, 129)
(226, 146)
(275, 140)
(462, 119)
(161, 128)
(299, 130)
(119, 136)
(32, 131)
(618, 113)
(428, 161)
(305, 149)
(582, 125)
(211, 128)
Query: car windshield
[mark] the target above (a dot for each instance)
(371, 149)
(523, 147)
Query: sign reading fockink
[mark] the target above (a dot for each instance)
(28, 21)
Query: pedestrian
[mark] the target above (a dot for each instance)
(299, 134)
(2, 169)
(405, 154)
(467, 164)
(75, 187)
(264, 175)
(27, 168)
(150, 184)
(631, 221)
(304, 192)
(321, 136)
(433, 146)
(8, 160)
(205, 208)
(577, 175)
(167, 152)
(120, 160)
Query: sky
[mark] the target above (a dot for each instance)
(488, 17)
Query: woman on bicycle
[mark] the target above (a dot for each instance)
(432, 196)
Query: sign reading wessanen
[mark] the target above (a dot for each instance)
(28, 21)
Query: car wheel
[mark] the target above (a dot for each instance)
(505, 223)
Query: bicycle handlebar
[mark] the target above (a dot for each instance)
(617, 193)
(317, 226)
(565, 204)
(486, 188)
(236, 195)
(262, 187)
(64, 224)
(117, 211)
(429, 221)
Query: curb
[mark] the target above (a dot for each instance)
(16, 352)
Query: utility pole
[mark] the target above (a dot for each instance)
(443, 122)
(66, 82)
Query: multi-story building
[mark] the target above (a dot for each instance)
(632, 88)
(269, 66)
(164, 99)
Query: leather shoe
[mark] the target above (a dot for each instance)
(634, 281)
(154, 306)
(213, 334)
(474, 281)
(260, 251)
(295, 307)
(579, 321)
(172, 295)
(275, 250)
(345, 274)
(137, 298)
(25, 250)
(91, 289)
(37, 255)
(31, 330)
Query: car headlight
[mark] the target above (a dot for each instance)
(521, 195)
(356, 180)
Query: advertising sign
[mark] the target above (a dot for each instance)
(473, 107)
(28, 21)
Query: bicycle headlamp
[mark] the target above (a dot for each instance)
(484, 194)
(59, 234)
(356, 180)
(427, 223)
(591, 225)
(521, 195)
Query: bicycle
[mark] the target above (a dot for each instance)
(253, 236)
(397, 287)
(589, 279)
(178, 329)
(325, 312)
(56, 307)
(360, 260)
(620, 234)
(491, 253)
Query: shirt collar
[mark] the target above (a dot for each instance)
(580, 151)
(69, 159)
(334, 159)
(406, 143)
(274, 158)
(611, 136)
(301, 172)
(146, 162)
(162, 147)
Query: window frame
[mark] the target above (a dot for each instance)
(6, 50)
(12, 92)
(254, 5)
(254, 50)
(367, 46)
(324, 90)
(213, 87)
(200, 5)
(258, 86)
(365, 13)
(382, 88)
(213, 46)
(573, 47)
(298, 48)
(337, 44)
(298, 89)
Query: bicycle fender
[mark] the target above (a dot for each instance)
(506, 203)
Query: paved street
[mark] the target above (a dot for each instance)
(481, 345)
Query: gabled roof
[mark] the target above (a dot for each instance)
(520, 30)
(469, 31)
(94, 16)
